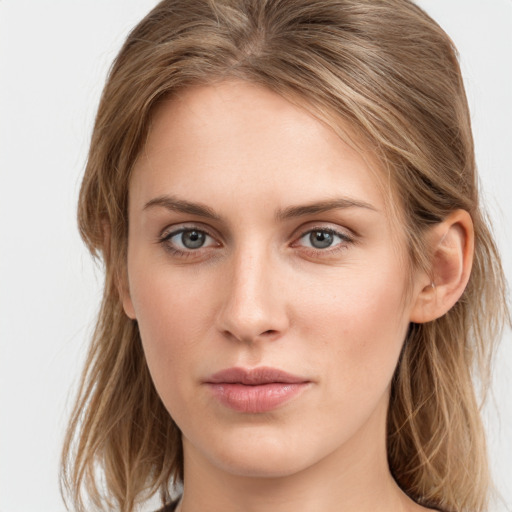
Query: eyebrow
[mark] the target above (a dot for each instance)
(176, 204)
(321, 207)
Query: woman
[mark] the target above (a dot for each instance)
(299, 277)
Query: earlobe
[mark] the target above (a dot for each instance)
(128, 308)
(124, 294)
(123, 289)
(452, 258)
(121, 277)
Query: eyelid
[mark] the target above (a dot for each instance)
(170, 232)
(346, 240)
(345, 234)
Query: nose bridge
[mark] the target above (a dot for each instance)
(253, 305)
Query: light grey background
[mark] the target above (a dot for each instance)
(54, 56)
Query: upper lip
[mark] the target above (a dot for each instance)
(254, 376)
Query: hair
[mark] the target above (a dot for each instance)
(388, 71)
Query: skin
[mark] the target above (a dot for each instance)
(258, 293)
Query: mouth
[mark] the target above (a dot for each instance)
(255, 390)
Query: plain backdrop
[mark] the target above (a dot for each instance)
(54, 55)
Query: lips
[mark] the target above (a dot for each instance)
(255, 390)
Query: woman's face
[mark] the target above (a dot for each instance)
(265, 277)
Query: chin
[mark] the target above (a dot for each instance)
(260, 464)
(249, 452)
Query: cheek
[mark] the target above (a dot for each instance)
(359, 323)
(172, 316)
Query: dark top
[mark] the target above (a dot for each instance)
(170, 507)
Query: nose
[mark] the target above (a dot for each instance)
(254, 302)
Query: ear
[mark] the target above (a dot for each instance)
(452, 243)
(120, 273)
(123, 289)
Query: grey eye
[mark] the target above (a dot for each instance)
(187, 242)
(188, 239)
(321, 239)
(192, 239)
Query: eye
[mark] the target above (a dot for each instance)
(323, 238)
(186, 240)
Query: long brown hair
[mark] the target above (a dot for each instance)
(390, 72)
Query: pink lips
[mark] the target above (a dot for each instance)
(255, 391)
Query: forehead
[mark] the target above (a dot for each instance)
(236, 142)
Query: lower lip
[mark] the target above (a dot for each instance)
(255, 399)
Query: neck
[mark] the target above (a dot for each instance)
(353, 478)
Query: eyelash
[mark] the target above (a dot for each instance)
(166, 237)
(341, 246)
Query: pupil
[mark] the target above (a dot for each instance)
(192, 239)
(320, 239)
